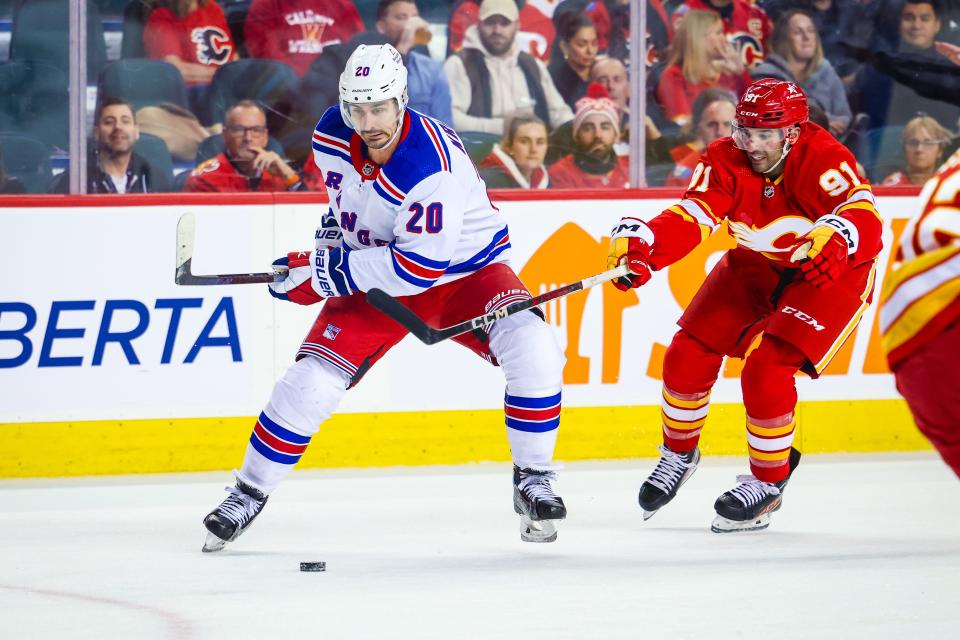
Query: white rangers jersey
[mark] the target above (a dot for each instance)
(422, 218)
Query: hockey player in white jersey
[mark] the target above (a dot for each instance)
(410, 215)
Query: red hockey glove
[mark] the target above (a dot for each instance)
(313, 276)
(630, 245)
(822, 253)
(296, 287)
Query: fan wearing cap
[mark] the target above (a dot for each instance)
(593, 164)
(786, 298)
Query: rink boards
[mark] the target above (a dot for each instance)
(107, 366)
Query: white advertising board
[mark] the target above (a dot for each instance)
(92, 326)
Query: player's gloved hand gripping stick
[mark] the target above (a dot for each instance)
(428, 335)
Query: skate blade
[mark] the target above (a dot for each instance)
(537, 530)
(213, 543)
(724, 525)
(648, 514)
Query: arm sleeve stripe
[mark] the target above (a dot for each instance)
(698, 213)
(331, 151)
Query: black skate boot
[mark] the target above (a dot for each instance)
(747, 507)
(669, 475)
(540, 509)
(225, 523)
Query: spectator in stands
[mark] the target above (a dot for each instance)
(838, 23)
(576, 49)
(714, 111)
(245, 164)
(924, 144)
(798, 57)
(700, 57)
(659, 31)
(112, 164)
(516, 162)
(297, 31)
(535, 31)
(611, 73)
(891, 90)
(593, 163)
(9, 184)
(491, 78)
(745, 24)
(192, 35)
(400, 23)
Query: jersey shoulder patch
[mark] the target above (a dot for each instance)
(207, 166)
(332, 135)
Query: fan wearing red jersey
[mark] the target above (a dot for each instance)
(800, 277)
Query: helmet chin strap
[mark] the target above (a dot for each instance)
(787, 146)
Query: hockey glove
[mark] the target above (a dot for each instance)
(822, 252)
(630, 245)
(313, 276)
(328, 234)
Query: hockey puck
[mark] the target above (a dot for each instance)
(313, 566)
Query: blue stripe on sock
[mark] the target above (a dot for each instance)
(282, 433)
(270, 454)
(533, 427)
(532, 403)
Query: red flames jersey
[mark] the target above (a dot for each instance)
(921, 297)
(202, 37)
(765, 216)
(748, 27)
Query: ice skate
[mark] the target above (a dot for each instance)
(234, 515)
(540, 509)
(669, 475)
(747, 507)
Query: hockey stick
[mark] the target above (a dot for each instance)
(428, 335)
(184, 276)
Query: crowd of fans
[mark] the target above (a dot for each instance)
(538, 90)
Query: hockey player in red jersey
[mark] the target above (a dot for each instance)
(802, 274)
(920, 313)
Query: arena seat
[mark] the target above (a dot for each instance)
(142, 82)
(268, 82)
(27, 159)
(41, 33)
(33, 100)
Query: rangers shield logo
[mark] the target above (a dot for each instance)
(331, 332)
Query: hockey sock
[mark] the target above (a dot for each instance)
(532, 364)
(770, 397)
(302, 398)
(683, 416)
(690, 369)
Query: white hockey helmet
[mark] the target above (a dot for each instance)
(373, 73)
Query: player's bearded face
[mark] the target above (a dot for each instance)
(375, 123)
(762, 146)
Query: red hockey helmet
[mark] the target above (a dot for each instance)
(772, 104)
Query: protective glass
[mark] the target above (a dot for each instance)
(749, 139)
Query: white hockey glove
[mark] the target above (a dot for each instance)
(328, 234)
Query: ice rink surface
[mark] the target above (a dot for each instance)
(864, 547)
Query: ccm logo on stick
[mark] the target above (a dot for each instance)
(803, 317)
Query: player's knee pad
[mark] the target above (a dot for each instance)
(689, 366)
(528, 352)
(767, 378)
(306, 394)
